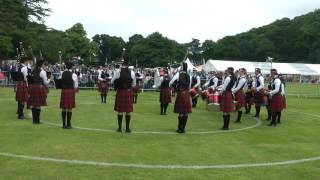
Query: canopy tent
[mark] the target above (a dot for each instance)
(283, 68)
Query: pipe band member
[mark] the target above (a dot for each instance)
(69, 87)
(239, 92)
(276, 97)
(165, 92)
(124, 80)
(195, 84)
(227, 98)
(182, 104)
(38, 90)
(258, 88)
(136, 89)
(22, 87)
(103, 78)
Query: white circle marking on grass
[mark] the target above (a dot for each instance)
(146, 166)
(258, 123)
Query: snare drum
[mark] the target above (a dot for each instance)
(194, 93)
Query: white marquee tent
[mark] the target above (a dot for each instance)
(283, 68)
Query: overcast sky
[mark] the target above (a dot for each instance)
(180, 20)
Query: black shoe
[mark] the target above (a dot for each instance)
(180, 131)
(237, 121)
(128, 131)
(69, 127)
(21, 117)
(224, 128)
(64, 127)
(119, 130)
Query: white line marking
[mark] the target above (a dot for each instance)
(309, 114)
(165, 133)
(149, 166)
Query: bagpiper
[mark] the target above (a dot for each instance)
(69, 88)
(258, 88)
(182, 104)
(276, 97)
(239, 92)
(124, 80)
(195, 85)
(38, 90)
(103, 78)
(227, 105)
(22, 87)
(249, 94)
(136, 88)
(165, 92)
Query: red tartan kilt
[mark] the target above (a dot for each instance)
(277, 103)
(38, 95)
(165, 95)
(136, 90)
(103, 87)
(249, 97)
(182, 104)
(67, 99)
(22, 92)
(226, 104)
(123, 102)
(240, 98)
(284, 102)
(259, 97)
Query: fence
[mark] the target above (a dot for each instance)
(91, 82)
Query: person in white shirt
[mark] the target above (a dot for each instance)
(22, 87)
(195, 86)
(182, 104)
(124, 80)
(38, 90)
(227, 98)
(69, 85)
(276, 97)
(103, 78)
(239, 93)
(258, 88)
(165, 91)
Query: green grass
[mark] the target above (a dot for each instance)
(305, 89)
(296, 138)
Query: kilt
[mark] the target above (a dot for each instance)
(276, 103)
(38, 95)
(123, 102)
(182, 104)
(22, 92)
(226, 104)
(136, 90)
(240, 98)
(258, 97)
(284, 101)
(67, 99)
(165, 95)
(103, 87)
(249, 97)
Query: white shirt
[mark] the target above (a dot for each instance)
(215, 82)
(176, 77)
(282, 89)
(99, 76)
(241, 84)
(198, 82)
(261, 80)
(116, 76)
(75, 79)
(43, 76)
(24, 71)
(277, 83)
(226, 83)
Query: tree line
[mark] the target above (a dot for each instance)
(286, 40)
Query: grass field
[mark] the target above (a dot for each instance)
(296, 138)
